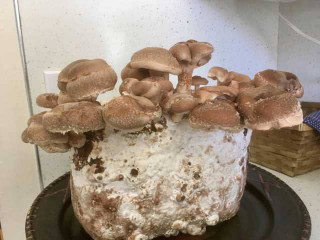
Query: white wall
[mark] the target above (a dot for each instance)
(298, 54)
(18, 178)
(244, 33)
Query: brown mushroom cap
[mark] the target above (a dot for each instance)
(157, 59)
(47, 100)
(78, 117)
(181, 52)
(89, 79)
(148, 87)
(238, 77)
(24, 136)
(36, 118)
(64, 74)
(268, 107)
(126, 85)
(231, 92)
(200, 52)
(182, 103)
(37, 134)
(283, 80)
(137, 73)
(62, 86)
(64, 97)
(216, 114)
(76, 140)
(130, 112)
(218, 73)
(55, 147)
(197, 81)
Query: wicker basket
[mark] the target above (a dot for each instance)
(292, 151)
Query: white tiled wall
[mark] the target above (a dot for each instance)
(244, 33)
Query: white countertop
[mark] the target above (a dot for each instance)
(307, 186)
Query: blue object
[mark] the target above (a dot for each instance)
(313, 120)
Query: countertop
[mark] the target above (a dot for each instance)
(307, 186)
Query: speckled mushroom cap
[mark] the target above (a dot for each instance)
(192, 54)
(218, 73)
(78, 117)
(285, 81)
(64, 74)
(47, 100)
(157, 59)
(152, 88)
(228, 92)
(137, 73)
(215, 114)
(198, 80)
(37, 134)
(86, 79)
(130, 112)
(268, 107)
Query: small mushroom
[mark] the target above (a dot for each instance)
(284, 81)
(125, 87)
(130, 112)
(197, 81)
(190, 55)
(137, 73)
(47, 100)
(78, 117)
(229, 93)
(158, 61)
(180, 104)
(217, 114)
(218, 73)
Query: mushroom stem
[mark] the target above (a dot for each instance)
(184, 82)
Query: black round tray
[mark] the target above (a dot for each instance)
(269, 210)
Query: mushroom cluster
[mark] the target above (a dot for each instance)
(237, 101)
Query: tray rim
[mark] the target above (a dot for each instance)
(32, 213)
